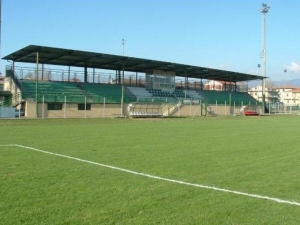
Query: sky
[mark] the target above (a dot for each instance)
(221, 34)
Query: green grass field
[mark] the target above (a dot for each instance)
(254, 155)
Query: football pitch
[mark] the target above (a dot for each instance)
(209, 170)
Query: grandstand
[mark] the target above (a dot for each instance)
(46, 92)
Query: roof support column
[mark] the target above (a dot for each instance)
(136, 78)
(85, 74)
(36, 84)
(69, 73)
(122, 97)
(185, 84)
(42, 71)
(93, 75)
(231, 108)
(201, 85)
(119, 77)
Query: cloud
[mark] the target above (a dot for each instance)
(293, 67)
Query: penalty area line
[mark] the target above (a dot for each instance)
(161, 178)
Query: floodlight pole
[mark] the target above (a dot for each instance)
(123, 43)
(185, 86)
(122, 80)
(264, 10)
(0, 31)
(122, 98)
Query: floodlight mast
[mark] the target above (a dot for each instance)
(264, 10)
(123, 43)
(0, 31)
(122, 80)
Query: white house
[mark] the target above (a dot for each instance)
(289, 95)
(271, 94)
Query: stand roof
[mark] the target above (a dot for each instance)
(75, 58)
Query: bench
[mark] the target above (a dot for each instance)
(251, 113)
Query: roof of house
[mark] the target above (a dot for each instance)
(297, 90)
(286, 87)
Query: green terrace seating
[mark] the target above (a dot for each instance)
(237, 98)
(179, 93)
(111, 93)
(242, 98)
(52, 91)
(159, 93)
(97, 92)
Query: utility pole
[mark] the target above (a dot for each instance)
(264, 10)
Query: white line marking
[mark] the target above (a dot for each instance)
(161, 178)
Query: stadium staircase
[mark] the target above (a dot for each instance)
(13, 76)
(140, 93)
(209, 111)
(16, 99)
(194, 94)
(173, 108)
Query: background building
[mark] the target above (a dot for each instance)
(271, 94)
(289, 95)
(1, 87)
(214, 85)
(281, 99)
